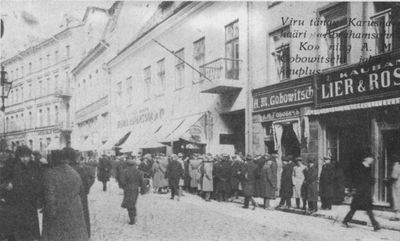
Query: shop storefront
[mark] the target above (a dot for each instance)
(358, 110)
(279, 114)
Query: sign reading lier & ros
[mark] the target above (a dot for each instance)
(377, 79)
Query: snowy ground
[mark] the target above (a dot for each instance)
(160, 218)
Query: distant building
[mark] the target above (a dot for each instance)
(38, 109)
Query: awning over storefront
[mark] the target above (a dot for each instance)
(190, 129)
(116, 140)
(141, 136)
(358, 106)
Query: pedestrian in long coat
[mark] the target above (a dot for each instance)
(104, 171)
(119, 170)
(159, 169)
(174, 173)
(268, 177)
(286, 190)
(5, 212)
(87, 177)
(298, 179)
(63, 218)
(237, 166)
(249, 174)
(207, 178)
(194, 164)
(396, 186)
(311, 185)
(362, 200)
(326, 181)
(132, 181)
(223, 174)
(338, 184)
(24, 194)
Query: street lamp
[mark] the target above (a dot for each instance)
(5, 90)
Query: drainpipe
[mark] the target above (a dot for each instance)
(248, 107)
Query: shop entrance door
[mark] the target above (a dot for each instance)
(391, 142)
(290, 144)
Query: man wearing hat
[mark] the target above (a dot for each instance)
(311, 185)
(268, 180)
(396, 186)
(362, 200)
(132, 182)
(286, 191)
(326, 181)
(24, 190)
(181, 180)
(249, 175)
(174, 173)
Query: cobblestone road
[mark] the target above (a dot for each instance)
(160, 218)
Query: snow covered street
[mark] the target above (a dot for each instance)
(160, 218)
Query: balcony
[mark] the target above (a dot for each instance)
(63, 92)
(223, 76)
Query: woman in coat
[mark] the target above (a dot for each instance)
(249, 174)
(298, 179)
(87, 177)
(63, 218)
(207, 185)
(311, 185)
(159, 180)
(268, 177)
(23, 194)
(194, 164)
(396, 187)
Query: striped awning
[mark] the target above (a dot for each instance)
(358, 106)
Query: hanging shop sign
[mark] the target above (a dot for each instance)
(379, 78)
(280, 115)
(287, 94)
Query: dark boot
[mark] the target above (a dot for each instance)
(104, 186)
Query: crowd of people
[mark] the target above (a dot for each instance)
(58, 185)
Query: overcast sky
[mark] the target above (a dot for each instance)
(49, 15)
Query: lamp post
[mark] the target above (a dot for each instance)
(5, 90)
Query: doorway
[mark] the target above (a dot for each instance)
(391, 146)
(290, 143)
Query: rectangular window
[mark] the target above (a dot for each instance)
(40, 63)
(48, 60)
(161, 85)
(56, 56)
(22, 71)
(56, 114)
(55, 83)
(22, 93)
(30, 91)
(147, 82)
(280, 54)
(179, 69)
(30, 120)
(30, 68)
(199, 52)
(16, 73)
(387, 26)
(337, 33)
(40, 118)
(232, 50)
(119, 89)
(48, 116)
(40, 88)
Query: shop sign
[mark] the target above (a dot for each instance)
(196, 133)
(287, 94)
(143, 116)
(379, 78)
(279, 115)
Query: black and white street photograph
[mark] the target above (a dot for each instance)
(199, 120)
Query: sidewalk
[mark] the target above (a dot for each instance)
(338, 213)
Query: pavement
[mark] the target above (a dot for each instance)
(160, 218)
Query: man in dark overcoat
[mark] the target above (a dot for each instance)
(326, 182)
(286, 191)
(223, 174)
(87, 178)
(311, 185)
(132, 181)
(249, 174)
(63, 217)
(237, 166)
(104, 171)
(338, 184)
(173, 173)
(24, 194)
(268, 180)
(362, 200)
(121, 165)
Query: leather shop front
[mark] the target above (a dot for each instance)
(357, 108)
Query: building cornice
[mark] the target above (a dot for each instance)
(92, 55)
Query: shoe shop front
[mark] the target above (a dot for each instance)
(357, 108)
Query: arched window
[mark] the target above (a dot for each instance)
(40, 117)
(48, 116)
(56, 115)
